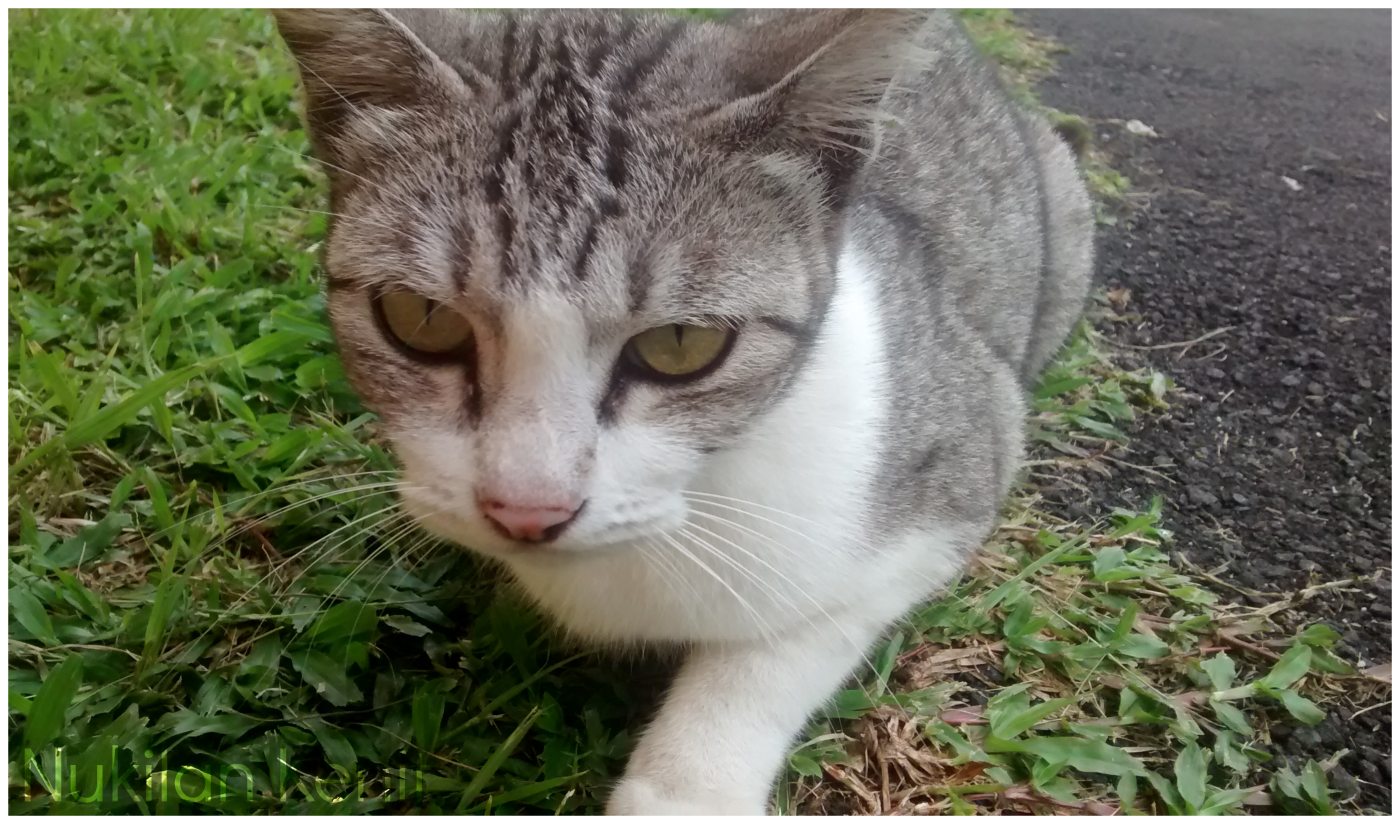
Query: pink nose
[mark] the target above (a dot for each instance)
(528, 523)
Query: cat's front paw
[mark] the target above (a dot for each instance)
(642, 796)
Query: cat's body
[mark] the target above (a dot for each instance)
(899, 248)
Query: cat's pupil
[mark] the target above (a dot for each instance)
(680, 331)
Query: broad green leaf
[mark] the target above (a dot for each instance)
(1301, 708)
(326, 675)
(223, 346)
(945, 733)
(1319, 635)
(345, 620)
(1314, 782)
(1167, 792)
(1232, 717)
(1324, 660)
(1103, 430)
(1051, 390)
(318, 372)
(1221, 670)
(406, 626)
(1108, 559)
(231, 398)
(159, 502)
(1191, 776)
(287, 445)
(19, 704)
(31, 614)
(1124, 626)
(1127, 792)
(46, 714)
(1224, 801)
(1083, 755)
(1292, 666)
(55, 378)
(297, 736)
(1287, 792)
(1228, 753)
(1020, 621)
(340, 756)
(306, 327)
(1008, 725)
(1142, 646)
(284, 341)
(168, 595)
(259, 669)
(84, 599)
(803, 765)
(428, 706)
(192, 722)
(885, 661)
(1194, 595)
(854, 703)
(1045, 772)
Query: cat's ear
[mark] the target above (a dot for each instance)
(355, 61)
(812, 83)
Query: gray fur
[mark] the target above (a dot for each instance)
(991, 259)
(564, 147)
(567, 180)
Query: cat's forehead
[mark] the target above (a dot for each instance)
(567, 170)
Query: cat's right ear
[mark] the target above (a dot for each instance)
(359, 67)
(812, 82)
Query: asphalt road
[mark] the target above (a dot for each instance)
(1263, 209)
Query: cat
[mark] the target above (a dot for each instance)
(713, 333)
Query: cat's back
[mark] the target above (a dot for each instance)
(952, 201)
(979, 238)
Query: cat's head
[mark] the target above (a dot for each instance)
(575, 253)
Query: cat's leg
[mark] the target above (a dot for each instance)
(720, 739)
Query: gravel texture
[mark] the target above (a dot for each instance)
(1263, 211)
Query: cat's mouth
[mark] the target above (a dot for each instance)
(583, 537)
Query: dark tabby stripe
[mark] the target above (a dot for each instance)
(599, 55)
(797, 331)
(590, 238)
(646, 64)
(638, 285)
(508, 57)
(615, 164)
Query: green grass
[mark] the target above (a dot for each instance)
(216, 606)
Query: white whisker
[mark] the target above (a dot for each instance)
(741, 599)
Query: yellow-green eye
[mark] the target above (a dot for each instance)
(678, 349)
(423, 324)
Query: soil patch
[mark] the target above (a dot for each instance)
(1257, 254)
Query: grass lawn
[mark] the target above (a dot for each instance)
(216, 605)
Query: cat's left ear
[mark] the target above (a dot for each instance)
(354, 61)
(812, 83)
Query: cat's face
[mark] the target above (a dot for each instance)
(544, 397)
(567, 263)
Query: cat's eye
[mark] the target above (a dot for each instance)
(678, 350)
(423, 325)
